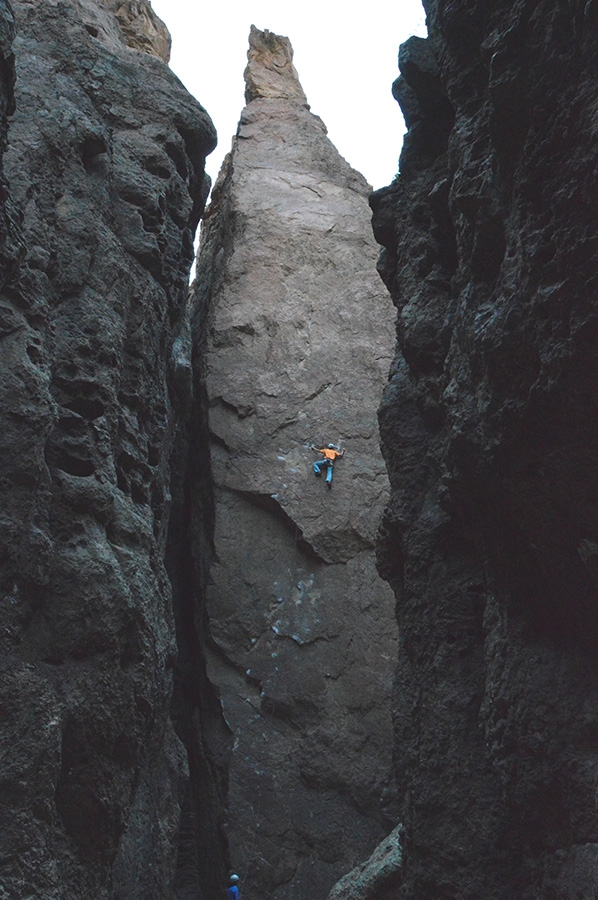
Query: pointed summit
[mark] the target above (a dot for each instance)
(299, 334)
(270, 73)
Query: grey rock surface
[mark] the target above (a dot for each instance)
(489, 432)
(105, 168)
(300, 337)
(377, 879)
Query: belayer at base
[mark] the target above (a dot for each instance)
(232, 892)
(330, 453)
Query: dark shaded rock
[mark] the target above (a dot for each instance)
(10, 242)
(105, 165)
(489, 433)
(426, 108)
(7, 72)
(304, 638)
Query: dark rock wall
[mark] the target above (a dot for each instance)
(9, 234)
(105, 167)
(489, 429)
(7, 71)
(196, 709)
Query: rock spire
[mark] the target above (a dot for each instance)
(298, 348)
(270, 73)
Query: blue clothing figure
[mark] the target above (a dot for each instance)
(232, 892)
(330, 454)
(324, 464)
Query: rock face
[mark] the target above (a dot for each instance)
(379, 877)
(9, 242)
(140, 28)
(490, 433)
(105, 167)
(303, 631)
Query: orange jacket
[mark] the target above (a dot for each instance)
(330, 454)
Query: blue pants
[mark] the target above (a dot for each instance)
(324, 464)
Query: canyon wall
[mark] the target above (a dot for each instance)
(489, 430)
(153, 732)
(9, 244)
(154, 729)
(103, 187)
(299, 337)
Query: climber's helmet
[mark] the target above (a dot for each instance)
(234, 879)
(331, 447)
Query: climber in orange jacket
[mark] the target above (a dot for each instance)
(330, 453)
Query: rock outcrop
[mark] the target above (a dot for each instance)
(304, 638)
(105, 169)
(489, 428)
(140, 28)
(377, 879)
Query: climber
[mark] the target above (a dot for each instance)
(331, 453)
(232, 892)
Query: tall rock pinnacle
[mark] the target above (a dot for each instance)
(270, 73)
(300, 340)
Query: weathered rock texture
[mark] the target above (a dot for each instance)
(490, 433)
(105, 166)
(304, 638)
(9, 236)
(379, 877)
(140, 28)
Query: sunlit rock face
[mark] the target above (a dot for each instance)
(105, 172)
(489, 428)
(300, 334)
(140, 28)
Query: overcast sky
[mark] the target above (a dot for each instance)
(346, 58)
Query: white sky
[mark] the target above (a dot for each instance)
(346, 57)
